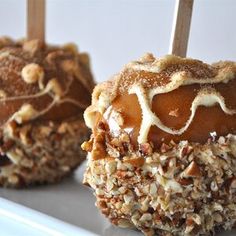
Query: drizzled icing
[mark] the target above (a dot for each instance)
(150, 77)
(37, 83)
(205, 98)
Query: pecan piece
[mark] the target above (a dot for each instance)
(145, 149)
(193, 170)
(185, 182)
(165, 148)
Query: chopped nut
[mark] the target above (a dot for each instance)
(110, 167)
(54, 86)
(24, 135)
(194, 218)
(165, 148)
(135, 161)
(217, 217)
(87, 146)
(185, 181)
(128, 198)
(69, 66)
(115, 142)
(124, 223)
(71, 47)
(118, 205)
(122, 190)
(27, 163)
(145, 217)
(102, 204)
(188, 229)
(10, 129)
(174, 113)
(217, 207)
(121, 166)
(32, 73)
(46, 130)
(65, 168)
(163, 195)
(233, 183)
(186, 150)
(110, 185)
(145, 204)
(171, 163)
(124, 138)
(6, 145)
(214, 186)
(192, 170)
(99, 192)
(172, 143)
(148, 57)
(221, 140)
(126, 208)
(26, 113)
(153, 189)
(145, 148)
(62, 128)
(32, 46)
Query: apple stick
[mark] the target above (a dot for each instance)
(36, 19)
(181, 27)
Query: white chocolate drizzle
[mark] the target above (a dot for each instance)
(52, 89)
(205, 97)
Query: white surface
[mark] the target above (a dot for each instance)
(69, 201)
(117, 31)
(19, 220)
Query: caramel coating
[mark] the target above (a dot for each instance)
(50, 79)
(185, 99)
(208, 121)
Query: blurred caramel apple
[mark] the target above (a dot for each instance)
(44, 91)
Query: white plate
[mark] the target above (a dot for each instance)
(68, 209)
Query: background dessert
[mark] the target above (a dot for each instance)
(162, 153)
(44, 91)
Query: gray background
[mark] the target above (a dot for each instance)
(117, 31)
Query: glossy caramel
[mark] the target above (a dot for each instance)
(173, 109)
(57, 113)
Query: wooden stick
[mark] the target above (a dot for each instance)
(36, 19)
(181, 27)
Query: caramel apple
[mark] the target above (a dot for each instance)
(44, 91)
(162, 154)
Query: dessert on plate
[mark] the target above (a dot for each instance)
(43, 93)
(162, 154)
